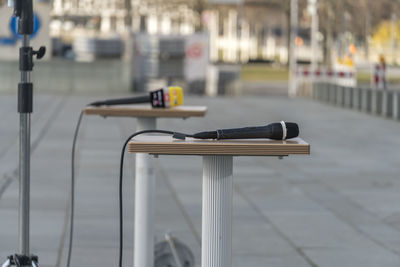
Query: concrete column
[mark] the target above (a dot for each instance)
(105, 25)
(373, 101)
(315, 90)
(327, 93)
(244, 42)
(379, 100)
(321, 88)
(387, 104)
(339, 95)
(293, 50)
(396, 105)
(332, 94)
(323, 92)
(214, 35)
(356, 98)
(364, 100)
(348, 97)
(366, 105)
(232, 36)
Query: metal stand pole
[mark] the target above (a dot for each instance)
(216, 244)
(313, 10)
(23, 9)
(144, 203)
(24, 170)
(293, 50)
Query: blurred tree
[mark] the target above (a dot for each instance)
(199, 6)
(285, 4)
(341, 21)
(285, 7)
(383, 33)
(357, 18)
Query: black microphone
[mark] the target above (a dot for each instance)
(276, 131)
(167, 97)
(122, 101)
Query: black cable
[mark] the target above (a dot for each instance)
(72, 196)
(72, 193)
(121, 170)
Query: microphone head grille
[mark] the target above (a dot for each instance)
(292, 130)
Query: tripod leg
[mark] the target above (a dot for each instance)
(35, 264)
(171, 243)
(7, 263)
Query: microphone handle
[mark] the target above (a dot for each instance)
(271, 131)
(123, 101)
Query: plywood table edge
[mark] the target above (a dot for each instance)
(125, 111)
(240, 148)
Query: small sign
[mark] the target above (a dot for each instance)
(36, 26)
(197, 57)
(195, 50)
(9, 41)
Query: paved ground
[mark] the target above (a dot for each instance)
(337, 207)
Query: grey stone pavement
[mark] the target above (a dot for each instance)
(340, 206)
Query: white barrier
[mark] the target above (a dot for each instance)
(343, 77)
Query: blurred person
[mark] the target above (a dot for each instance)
(380, 73)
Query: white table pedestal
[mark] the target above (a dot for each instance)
(144, 202)
(216, 248)
(145, 180)
(216, 244)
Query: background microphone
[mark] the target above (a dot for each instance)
(277, 131)
(166, 97)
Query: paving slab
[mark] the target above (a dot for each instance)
(336, 207)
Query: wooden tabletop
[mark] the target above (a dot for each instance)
(166, 145)
(146, 111)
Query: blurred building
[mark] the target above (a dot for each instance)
(153, 16)
(242, 31)
(107, 14)
(239, 30)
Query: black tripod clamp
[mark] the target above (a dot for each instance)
(25, 89)
(21, 261)
(23, 9)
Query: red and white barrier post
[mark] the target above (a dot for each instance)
(342, 77)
